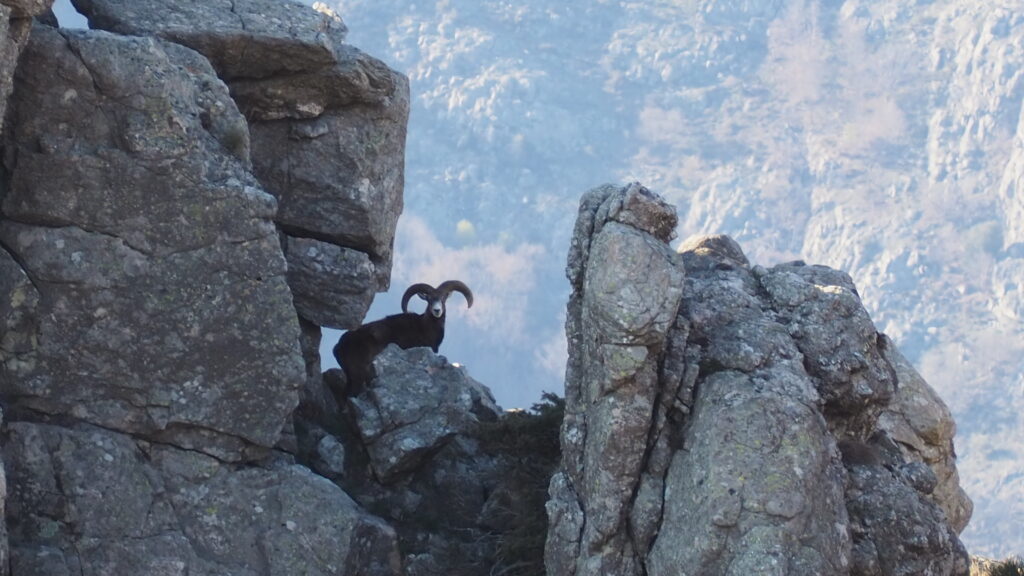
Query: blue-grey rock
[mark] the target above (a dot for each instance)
(328, 122)
(332, 286)
(417, 404)
(87, 500)
(163, 308)
(713, 408)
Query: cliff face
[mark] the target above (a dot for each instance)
(722, 418)
(327, 126)
(164, 197)
(15, 24)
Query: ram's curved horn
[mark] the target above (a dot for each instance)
(448, 286)
(412, 291)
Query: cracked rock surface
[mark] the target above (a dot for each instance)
(162, 306)
(419, 403)
(89, 501)
(706, 404)
(327, 125)
(413, 449)
(151, 355)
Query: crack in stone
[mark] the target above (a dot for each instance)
(19, 260)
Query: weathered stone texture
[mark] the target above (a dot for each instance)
(919, 422)
(90, 501)
(896, 530)
(407, 449)
(823, 313)
(255, 38)
(331, 285)
(15, 26)
(150, 355)
(18, 297)
(327, 121)
(704, 441)
(163, 307)
(419, 403)
(617, 329)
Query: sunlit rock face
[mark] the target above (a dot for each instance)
(708, 404)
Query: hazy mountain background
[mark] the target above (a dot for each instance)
(881, 137)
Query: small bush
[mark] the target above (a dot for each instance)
(528, 443)
(1008, 567)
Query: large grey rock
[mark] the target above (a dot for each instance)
(244, 38)
(163, 308)
(758, 486)
(617, 329)
(89, 501)
(418, 403)
(897, 530)
(339, 177)
(823, 313)
(408, 449)
(332, 286)
(327, 121)
(145, 293)
(704, 417)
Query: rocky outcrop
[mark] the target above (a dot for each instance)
(616, 339)
(408, 450)
(88, 501)
(706, 402)
(922, 427)
(896, 530)
(327, 125)
(419, 405)
(151, 357)
(161, 306)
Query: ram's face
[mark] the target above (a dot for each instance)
(436, 308)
